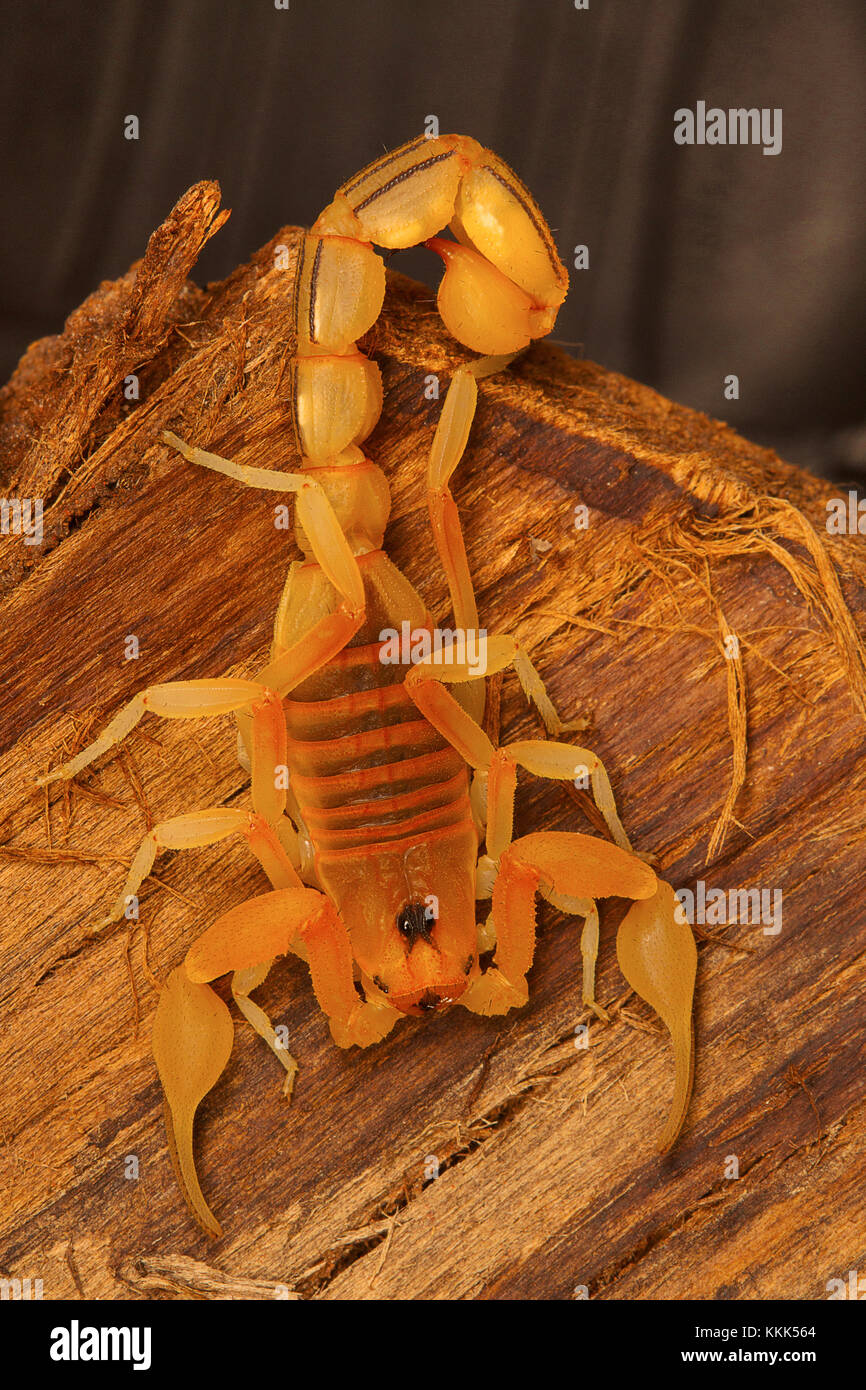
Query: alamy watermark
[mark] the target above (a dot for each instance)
(22, 516)
(738, 125)
(853, 1288)
(720, 906)
(846, 516)
(20, 1290)
(77, 1343)
(446, 646)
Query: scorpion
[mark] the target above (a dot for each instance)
(375, 839)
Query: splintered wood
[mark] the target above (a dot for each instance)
(674, 584)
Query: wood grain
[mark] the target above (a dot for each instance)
(548, 1183)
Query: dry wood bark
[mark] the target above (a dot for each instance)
(745, 772)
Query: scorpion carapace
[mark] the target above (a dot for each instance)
(364, 817)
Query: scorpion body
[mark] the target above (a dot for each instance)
(371, 841)
(384, 802)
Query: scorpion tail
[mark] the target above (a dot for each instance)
(658, 957)
(192, 1042)
(502, 287)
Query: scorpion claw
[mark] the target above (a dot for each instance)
(366, 1024)
(658, 957)
(192, 1042)
(492, 993)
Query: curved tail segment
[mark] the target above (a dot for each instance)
(502, 287)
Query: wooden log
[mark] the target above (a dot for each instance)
(704, 621)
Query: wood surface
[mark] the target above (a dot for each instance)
(743, 772)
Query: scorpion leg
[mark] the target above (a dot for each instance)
(655, 946)
(502, 786)
(449, 444)
(190, 699)
(446, 451)
(282, 873)
(663, 972)
(174, 700)
(542, 757)
(323, 537)
(194, 830)
(243, 984)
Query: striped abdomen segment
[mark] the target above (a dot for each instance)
(367, 769)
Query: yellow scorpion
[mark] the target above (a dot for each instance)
(364, 818)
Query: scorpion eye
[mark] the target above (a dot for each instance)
(413, 922)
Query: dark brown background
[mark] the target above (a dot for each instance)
(704, 261)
